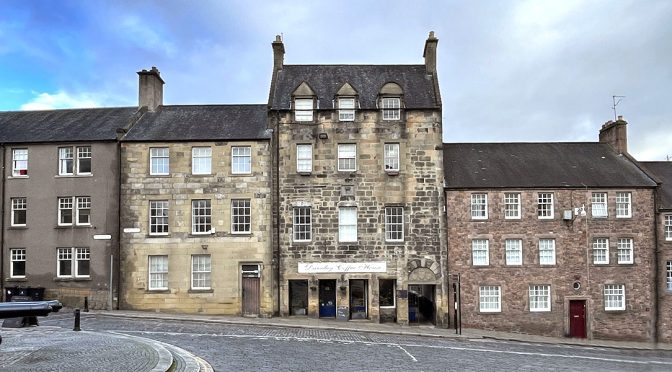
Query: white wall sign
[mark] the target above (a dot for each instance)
(102, 237)
(342, 267)
(131, 229)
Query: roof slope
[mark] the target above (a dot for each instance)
(96, 124)
(367, 80)
(202, 123)
(539, 165)
(662, 171)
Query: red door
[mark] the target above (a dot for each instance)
(577, 318)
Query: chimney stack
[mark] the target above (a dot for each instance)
(278, 53)
(430, 53)
(615, 133)
(151, 89)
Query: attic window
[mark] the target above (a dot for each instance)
(391, 108)
(346, 109)
(303, 109)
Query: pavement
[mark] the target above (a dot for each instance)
(48, 348)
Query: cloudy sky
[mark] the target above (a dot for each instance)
(509, 70)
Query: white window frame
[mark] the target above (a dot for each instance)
(241, 216)
(66, 155)
(201, 271)
(201, 160)
(20, 162)
(159, 218)
(479, 206)
(84, 152)
(348, 153)
(303, 109)
(626, 249)
(159, 158)
(391, 157)
(667, 227)
(486, 295)
(347, 225)
(599, 207)
(669, 276)
(72, 255)
(82, 254)
(302, 224)
(205, 213)
(624, 204)
(540, 297)
(346, 109)
(600, 251)
(514, 252)
(19, 204)
(545, 206)
(82, 203)
(304, 158)
(394, 224)
(391, 108)
(65, 255)
(546, 251)
(480, 252)
(241, 160)
(512, 206)
(17, 255)
(158, 271)
(614, 297)
(66, 203)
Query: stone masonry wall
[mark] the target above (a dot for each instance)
(664, 294)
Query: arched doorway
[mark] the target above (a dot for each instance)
(422, 283)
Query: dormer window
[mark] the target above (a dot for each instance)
(391, 108)
(346, 109)
(303, 109)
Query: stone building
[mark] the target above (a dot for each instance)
(358, 192)
(60, 226)
(196, 208)
(553, 238)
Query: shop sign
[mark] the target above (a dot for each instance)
(342, 267)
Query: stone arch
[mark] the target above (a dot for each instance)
(391, 89)
(423, 270)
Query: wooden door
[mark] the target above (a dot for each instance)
(250, 296)
(577, 318)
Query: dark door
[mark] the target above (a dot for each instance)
(250, 274)
(577, 318)
(358, 299)
(327, 298)
(298, 297)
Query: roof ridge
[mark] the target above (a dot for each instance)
(71, 109)
(356, 64)
(218, 104)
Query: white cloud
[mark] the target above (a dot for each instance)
(61, 100)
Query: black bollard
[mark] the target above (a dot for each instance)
(76, 321)
(86, 304)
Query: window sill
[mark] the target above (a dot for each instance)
(73, 279)
(73, 226)
(201, 175)
(395, 242)
(302, 242)
(241, 174)
(160, 175)
(158, 291)
(615, 311)
(151, 236)
(20, 227)
(73, 175)
(540, 311)
(490, 312)
(17, 279)
(479, 219)
(548, 265)
(516, 266)
(241, 234)
(480, 266)
(545, 218)
(200, 291)
(392, 173)
(304, 173)
(17, 177)
(600, 217)
(512, 218)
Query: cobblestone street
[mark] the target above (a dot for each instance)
(249, 348)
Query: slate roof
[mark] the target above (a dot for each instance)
(367, 80)
(539, 165)
(95, 124)
(662, 172)
(202, 123)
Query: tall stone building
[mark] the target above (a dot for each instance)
(196, 208)
(553, 238)
(358, 190)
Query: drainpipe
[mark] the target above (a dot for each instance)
(657, 272)
(275, 205)
(2, 226)
(118, 247)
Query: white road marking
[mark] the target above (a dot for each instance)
(407, 353)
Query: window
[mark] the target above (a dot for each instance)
(540, 298)
(668, 227)
(241, 216)
(65, 211)
(304, 158)
(625, 251)
(511, 205)
(347, 157)
(65, 161)
(159, 161)
(386, 292)
(18, 263)
(200, 217)
(479, 206)
(200, 271)
(84, 160)
(545, 205)
(158, 217)
(480, 252)
(302, 224)
(201, 160)
(391, 108)
(346, 109)
(623, 205)
(74, 262)
(241, 162)
(490, 299)
(391, 157)
(514, 251)
(546, 251)
(19, 162)
(669, 275)
(601, 251)
(83, 210)
(599, 204)
(614, 297)
(19, 206)
(303, 109)
(347, 224)
(394, 224)
(158, 272)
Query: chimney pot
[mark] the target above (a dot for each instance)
(150, 89)
(278, 53)
(430, 53)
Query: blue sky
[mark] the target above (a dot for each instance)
(509, 70)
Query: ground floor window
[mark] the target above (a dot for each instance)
(669, 275)
(614, 297)
(73, 262)
(298, 297)
(158, 272)
(540, 298)
(358, 298)
(386, 290)
(200, 271)
(490, 299)
(18, 266)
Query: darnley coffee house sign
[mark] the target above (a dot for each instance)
(342, 267)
